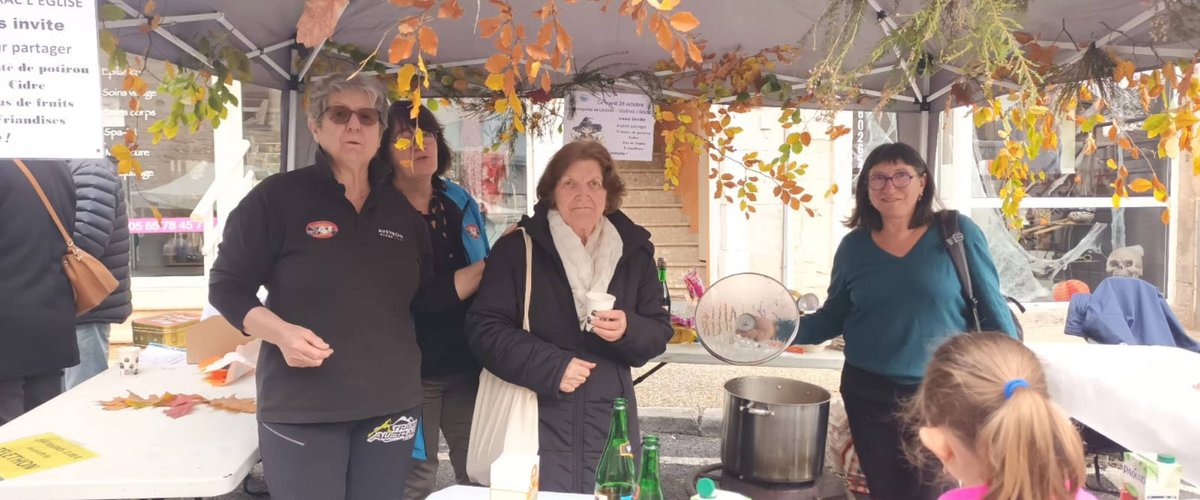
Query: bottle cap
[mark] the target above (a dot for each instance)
(619, 404)
(1166, 459)
(649, 440)
(706, 488)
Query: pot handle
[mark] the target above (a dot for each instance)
(761, 412)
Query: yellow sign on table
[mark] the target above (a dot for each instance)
(38, 453)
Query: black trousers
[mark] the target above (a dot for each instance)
(873, 406)
(361, 460)
(21, 394)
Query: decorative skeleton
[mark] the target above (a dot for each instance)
(1126, 261)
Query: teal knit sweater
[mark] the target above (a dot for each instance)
(895, 311)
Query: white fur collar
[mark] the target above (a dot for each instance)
(589, 268)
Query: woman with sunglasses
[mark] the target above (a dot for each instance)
(894, 295)
(343, 256)
(418, 151)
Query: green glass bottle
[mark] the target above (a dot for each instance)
(615, 473)
(649, 487)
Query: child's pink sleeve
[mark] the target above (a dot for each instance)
(972, 493)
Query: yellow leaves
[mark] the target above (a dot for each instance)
(684, 22)
(429, 40)
(1140, 185)
(404, 78)
(534, 67)
(663, 5)
(495, 81)
(983, 115)
(1166, 216)
(1090, 123)
(402, 143)
(1160, 190)
(1112, 164)
(833, 189)
(668, 116)
(1195, 164)
(1185, 119)
(1155, 125)
(126, 163)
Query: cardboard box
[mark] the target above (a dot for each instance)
(168, 329)
(1149, 477)
(213, 337)
(514, 477)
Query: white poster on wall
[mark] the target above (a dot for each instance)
(624, 123)
(49, 80)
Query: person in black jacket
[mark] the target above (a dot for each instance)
(37, 304)
(101, 230)
(582, 243)
(449, 372)
(343, 257)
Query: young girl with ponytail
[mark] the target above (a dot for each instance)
(984, 412)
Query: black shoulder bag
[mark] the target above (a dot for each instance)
(953, 236)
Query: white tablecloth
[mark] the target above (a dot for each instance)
(1142, 397)
(695, 354)
(140, 453)
(472, 493)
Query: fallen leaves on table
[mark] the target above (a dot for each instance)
(234, 404)
(183, 404)
(178, 405)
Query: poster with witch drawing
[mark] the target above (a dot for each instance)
(624, 123)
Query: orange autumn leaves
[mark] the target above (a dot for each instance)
(178, 405)
(521, 55)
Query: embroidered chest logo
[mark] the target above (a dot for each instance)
(473, 231)
(401, 429)
(321, 229)
(391, 235)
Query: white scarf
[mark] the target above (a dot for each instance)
(589, 267)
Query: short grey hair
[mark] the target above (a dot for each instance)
(320, 90)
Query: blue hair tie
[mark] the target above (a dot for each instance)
(1012, 387)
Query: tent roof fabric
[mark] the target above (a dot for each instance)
(746, 25)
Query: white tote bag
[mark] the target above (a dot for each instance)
(506, 415)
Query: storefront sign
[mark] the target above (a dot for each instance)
(150, 225)
(38, 453)
(624, 123)
(49, 80)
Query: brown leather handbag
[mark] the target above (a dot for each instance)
(90, 279)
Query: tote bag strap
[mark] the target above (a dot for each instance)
(528, 276)
(45, 201)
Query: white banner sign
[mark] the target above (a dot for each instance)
(49, 80)
(624, 123)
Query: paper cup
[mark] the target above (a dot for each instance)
(127, 359)
(597, 301)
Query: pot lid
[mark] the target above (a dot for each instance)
(747, 319)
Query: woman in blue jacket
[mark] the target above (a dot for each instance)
(449, 373)
(895, 296)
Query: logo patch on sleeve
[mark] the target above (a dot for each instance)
(321, 229)
(473, 231)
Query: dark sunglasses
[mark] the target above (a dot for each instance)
(341, 115)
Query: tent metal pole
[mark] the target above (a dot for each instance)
(130, 11)
(164, 21)
(250, 45)
(293, 91)
(1137, 20)
(887, 25)
(311, 59)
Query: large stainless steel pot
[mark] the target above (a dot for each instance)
(774, 429)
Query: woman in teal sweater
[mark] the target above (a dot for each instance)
(894, 295)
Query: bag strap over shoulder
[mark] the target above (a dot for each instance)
(528, 276)
(45, 201)
(955, 244)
